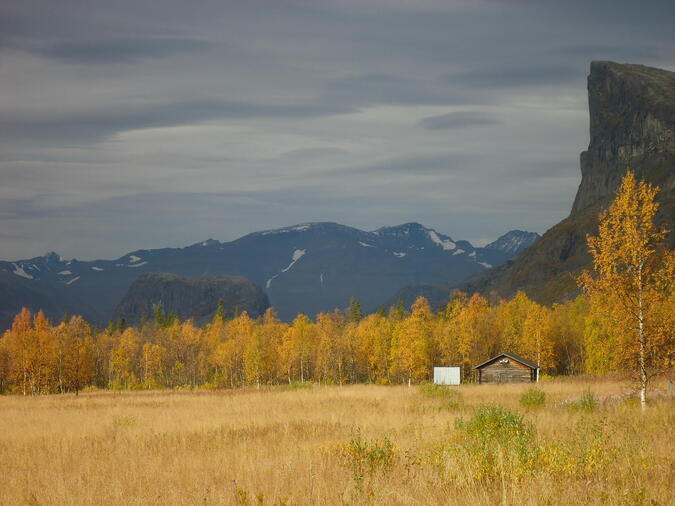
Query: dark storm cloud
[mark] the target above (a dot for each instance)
(459, 119)
(120, 50)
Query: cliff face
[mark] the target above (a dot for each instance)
(632, 126)
(632, 119)
(190, 297)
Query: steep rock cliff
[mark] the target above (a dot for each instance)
(632, 120)
(632, 126)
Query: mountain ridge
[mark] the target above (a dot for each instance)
(308, 267)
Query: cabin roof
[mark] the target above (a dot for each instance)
(513, 356)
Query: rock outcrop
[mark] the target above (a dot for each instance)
(632, 126)
(190, 298)
(632, 119)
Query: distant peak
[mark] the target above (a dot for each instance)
(207, 242)
(52, 256)
(513, 241)
(412, 225)
(303, 227)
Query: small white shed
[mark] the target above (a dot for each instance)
(447, 376)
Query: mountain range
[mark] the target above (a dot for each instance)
(315, 267)
(308, 268)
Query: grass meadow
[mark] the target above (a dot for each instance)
(572, 441)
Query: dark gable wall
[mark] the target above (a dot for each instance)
(511, 372)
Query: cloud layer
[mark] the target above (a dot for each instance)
(143, 124)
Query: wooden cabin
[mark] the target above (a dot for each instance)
(507, 368)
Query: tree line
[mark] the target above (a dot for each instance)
(400, 346)
(624, 320)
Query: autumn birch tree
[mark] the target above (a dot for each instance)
(632, 276)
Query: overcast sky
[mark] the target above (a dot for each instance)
(151, 123)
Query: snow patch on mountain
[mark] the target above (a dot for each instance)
(366, 245)
(18, 270)
(458, 251)
(133, 259)
(138, 265)
(65, 273)
(486, 265)
(399, 254)
(297, 255)
(297, 228)
(443, 243)
(72, 280)
(96, 269)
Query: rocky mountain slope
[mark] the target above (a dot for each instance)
(189, 297)
(306, 268)
(632, 126)
(513, 242)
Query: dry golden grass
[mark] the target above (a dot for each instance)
(281, 446)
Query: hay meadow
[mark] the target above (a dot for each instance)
(570, 441)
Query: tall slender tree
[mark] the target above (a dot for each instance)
(633, 278)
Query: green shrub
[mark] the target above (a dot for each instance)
(438, 391)
(496, 441)
(299, 385)
(533, 398)
(365, 458)
(586, 403)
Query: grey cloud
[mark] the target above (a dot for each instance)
(97, 124)
(440, 165)
(120, 50)
(372, 89)
(317, 104)
(459, 119)
(500, 77)
(611, 52)
(313, 153)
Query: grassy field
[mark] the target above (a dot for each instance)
(340, 445)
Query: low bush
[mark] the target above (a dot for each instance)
(299, 385)
(533, 398)
(438, 391)
(496, 441)
(587, 403)
(365, 458)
